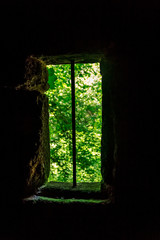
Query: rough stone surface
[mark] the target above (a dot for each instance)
(36, 76)
(38, 166)
(36, 80)
(78, 58)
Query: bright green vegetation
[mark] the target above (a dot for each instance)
(88, 122)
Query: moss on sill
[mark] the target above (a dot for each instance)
(62, 201)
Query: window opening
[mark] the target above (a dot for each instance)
(75, 121)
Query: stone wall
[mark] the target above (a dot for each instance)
(127, 33)
(37, 165)
(115, 105)
(25, 131)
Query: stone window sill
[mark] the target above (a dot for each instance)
(64, 194)
(67, 191)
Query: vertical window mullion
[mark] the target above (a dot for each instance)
(73, 122)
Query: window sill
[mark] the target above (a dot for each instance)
(67, 191)
(58, 194)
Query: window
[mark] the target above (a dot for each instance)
(75, 107)
(37, 170)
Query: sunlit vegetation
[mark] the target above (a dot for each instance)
(88, 122)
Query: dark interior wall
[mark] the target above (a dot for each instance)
(128, 37)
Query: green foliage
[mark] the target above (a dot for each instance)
(88, 122)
